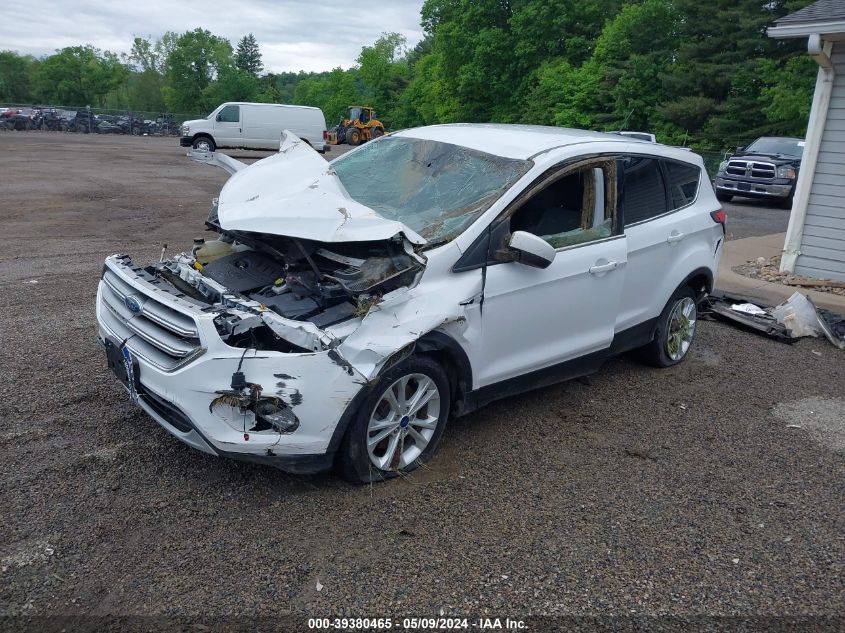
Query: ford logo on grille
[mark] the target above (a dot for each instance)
(132, 304)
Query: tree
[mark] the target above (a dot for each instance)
(383, 70)
(16, 77)
(232, 84)
(78, 75)
(195, 60)
(247, 56)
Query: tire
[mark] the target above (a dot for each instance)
(666, 349)
(376, 132)
(786, 203)
(723, 197)
(406, 441)
(204, 144)
(353, 136)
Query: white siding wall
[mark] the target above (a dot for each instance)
(823, 243)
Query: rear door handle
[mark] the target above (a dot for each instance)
(674, 236)
(598, 269)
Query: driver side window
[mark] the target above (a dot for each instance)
(229, 114)
(578, 206)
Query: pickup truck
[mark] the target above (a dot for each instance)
(767, 169)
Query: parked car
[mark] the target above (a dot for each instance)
(767, 169)
(24, 119)
(83, 122)
(255, 126)
(347, 313)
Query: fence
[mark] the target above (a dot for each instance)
(58, 118)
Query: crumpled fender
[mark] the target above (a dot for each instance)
(397, 322)
(297, 194)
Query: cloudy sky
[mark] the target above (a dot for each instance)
(293, 34)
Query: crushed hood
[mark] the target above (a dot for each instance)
(297, 194)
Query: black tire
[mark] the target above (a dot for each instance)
(657, 352)
(354, 136)
(786, 203)
(355, 463)
(723, 197)
(376, 132)
(201, 142)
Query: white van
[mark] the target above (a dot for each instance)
(255, 126)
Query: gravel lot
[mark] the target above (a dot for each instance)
(713, 488)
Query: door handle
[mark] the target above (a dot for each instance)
(598, 269)
(674, 236)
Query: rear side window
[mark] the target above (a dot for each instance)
(643, 190)
(682, 179)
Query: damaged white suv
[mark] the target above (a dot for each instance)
(347, 310)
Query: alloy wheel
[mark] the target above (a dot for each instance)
(681, 328)
(403, 422)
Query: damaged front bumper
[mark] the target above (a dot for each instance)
(181, 373)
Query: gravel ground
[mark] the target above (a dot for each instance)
(676, 492)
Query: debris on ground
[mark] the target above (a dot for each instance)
(768, 269)
(793, 319)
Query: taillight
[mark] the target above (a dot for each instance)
(325, 135)
(719, 216)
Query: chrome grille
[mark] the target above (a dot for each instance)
(751, 169)
(160, 335)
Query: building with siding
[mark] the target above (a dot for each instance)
(815, 239)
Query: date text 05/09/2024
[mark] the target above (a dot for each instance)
(416, 624)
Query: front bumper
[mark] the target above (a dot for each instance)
(752, 189)
(317, 388)
(185, 141)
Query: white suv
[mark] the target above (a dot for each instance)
(347, 310)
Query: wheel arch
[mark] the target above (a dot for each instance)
(455, 362)
(203, 135)
(700, 280)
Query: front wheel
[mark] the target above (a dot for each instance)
(399, 424)
(353, 136)
(675, 331)
(723, 197)
(204, 144)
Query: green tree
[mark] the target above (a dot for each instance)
(78, 75)
(232, 84)
(384, 73)
(248, 56)
(193, 63)
(332, 92)
(16, 77)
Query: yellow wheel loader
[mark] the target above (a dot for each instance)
(358, 126)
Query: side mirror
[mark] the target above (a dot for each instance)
(740, 149)
(532, 250)
(218, 117)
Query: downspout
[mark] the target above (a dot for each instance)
(820, 51)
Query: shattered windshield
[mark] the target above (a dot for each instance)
(777, 146)
(436, 189)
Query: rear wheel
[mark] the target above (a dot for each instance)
(675, 331)
(203, 144)
(353, 136)
(399, 424)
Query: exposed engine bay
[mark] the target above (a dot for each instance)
(301, 280)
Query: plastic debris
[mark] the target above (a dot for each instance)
(748, 308)
(799, 315)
